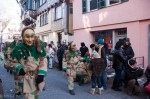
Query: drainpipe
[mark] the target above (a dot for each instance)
(67, 17)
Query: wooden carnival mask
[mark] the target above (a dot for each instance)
(28, 37)
(73, 46)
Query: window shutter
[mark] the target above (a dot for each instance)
(84, 6)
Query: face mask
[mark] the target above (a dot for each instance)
(73, 46)
(28, 37)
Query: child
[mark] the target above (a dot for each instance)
(97, 66)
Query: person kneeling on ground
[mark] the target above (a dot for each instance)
(132, 73)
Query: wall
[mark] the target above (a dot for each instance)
(45, 28)
(132, 10)
(58, 24)
(136, 31)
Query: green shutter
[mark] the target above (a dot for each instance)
(84, 6)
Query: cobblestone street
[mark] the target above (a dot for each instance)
(56, 88)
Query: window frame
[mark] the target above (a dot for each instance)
(57, 13)
(44, 19)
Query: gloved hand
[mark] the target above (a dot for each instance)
(22, 72)
(39, 79)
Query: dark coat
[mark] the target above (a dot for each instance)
(83, 50)
(118, 60)
(131, 73)
(147, 74)
(60, 52)
(97, 66)
(104, 54)
(128, 52)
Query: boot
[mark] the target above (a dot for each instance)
(92, 91)
(72, 92)
(99, 91)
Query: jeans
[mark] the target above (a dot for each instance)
(96, 80)
(104, 79)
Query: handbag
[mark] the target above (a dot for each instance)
(147, 87)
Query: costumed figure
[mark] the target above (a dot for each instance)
(12, 45)
(29, 64)
(70, 62)
(83, 72)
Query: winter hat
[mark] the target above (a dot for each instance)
(100, 41)
(82, 44)
(126, 39)
(92, 45)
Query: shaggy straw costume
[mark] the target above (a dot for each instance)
(30, 66)
(70, 62)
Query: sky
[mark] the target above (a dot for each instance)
(9, 9)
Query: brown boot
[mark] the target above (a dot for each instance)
(99, 91)
(92, 91)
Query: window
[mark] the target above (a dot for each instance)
(101, 3)
(93, 4)
(33, 5)
(124, 0)
(121, 32)
(58, 13)
(114, 1)
(70, 8)
(42, 2)
(43, 19)
(84, 6)
(97, 4)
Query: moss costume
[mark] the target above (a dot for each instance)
(34, 64)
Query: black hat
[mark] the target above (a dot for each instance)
(92, 45)
(82, 44)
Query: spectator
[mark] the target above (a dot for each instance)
(51, 54)
(147, 84)
(103, 52)
(83, 49)
(60, 53)
(118, 61)
(128, 51)
(96, 65)
(132, 73)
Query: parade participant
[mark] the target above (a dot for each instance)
(30, 64)
(5, 51)
(70, 62)
(83, 72)
(12, 45)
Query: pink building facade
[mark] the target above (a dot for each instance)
(112, 20)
